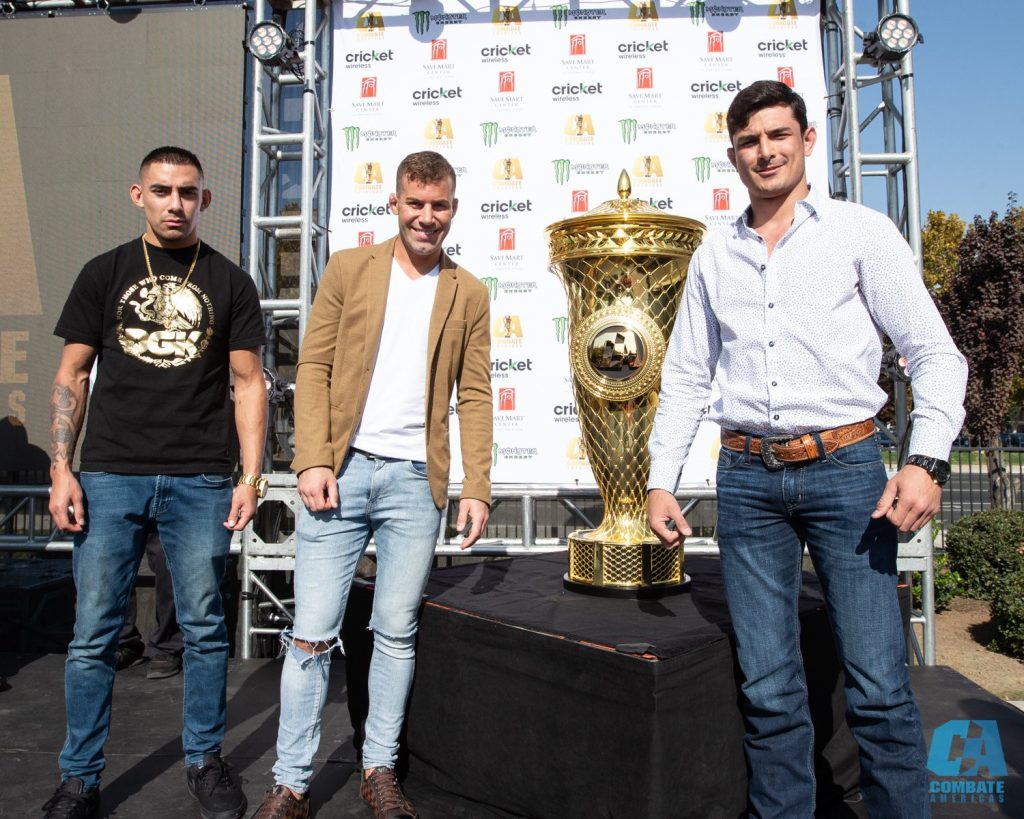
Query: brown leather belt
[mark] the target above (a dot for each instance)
(779, 450)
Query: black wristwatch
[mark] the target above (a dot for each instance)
(936, 468)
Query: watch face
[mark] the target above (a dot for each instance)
(938, 469)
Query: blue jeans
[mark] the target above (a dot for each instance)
(189, 511)
(764, 520)
(390, 500)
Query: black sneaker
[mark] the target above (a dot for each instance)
(72, 801)
(215, 786)
(129, 657)
(162, 666)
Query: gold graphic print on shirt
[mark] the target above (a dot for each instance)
(165, 324)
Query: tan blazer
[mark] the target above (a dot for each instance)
(340, 348)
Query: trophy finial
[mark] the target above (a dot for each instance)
(625, 186)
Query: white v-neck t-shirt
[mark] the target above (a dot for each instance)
(393, 424)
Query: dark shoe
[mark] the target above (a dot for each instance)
(162, 666)
(381, 791)
(280, 804)
(129, 657)
(215, 786)
(71, 801)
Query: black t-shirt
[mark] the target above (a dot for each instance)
(160, 404)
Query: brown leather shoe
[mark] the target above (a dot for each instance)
(381, 791)
(280, 804)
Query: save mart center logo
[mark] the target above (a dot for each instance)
(967, 760)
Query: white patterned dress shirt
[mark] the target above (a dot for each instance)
(794, 339)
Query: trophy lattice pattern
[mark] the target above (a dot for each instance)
(615, 433)
(611, 565)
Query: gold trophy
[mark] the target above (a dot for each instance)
(623, 265)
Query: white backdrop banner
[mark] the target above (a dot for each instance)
(539, 107)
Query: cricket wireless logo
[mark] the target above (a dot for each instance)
(361, 213)
(500, 54)
(710, 89)
(627, 128)
(499, 210)
(562, 168)
(702, 168)
(433, 96)
(490, 133)
(768, 47)
(421, 21)
(961, 753)
(357, 58)
(572, 91)
(637, 50)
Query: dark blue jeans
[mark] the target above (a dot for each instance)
(764, 520)
(188, 511)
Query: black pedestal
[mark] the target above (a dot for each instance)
(545, 703)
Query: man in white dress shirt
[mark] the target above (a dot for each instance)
(786, 309)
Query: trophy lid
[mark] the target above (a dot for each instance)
(623, 227)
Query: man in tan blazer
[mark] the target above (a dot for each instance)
(395, 328)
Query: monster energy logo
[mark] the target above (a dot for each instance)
(560, 15)
(494, 454)
(702, 168)
(561, 323)
(490, 130)
(351, 137)
(491, 283)
(422, 21)
(628, 128)
(697, 11)
(561, 170)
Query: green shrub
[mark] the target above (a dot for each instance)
(1008, 615)
(947, 583)
(985, 547)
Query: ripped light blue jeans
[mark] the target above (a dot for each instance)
(389, 500)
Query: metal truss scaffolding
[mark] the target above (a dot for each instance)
(282, 142)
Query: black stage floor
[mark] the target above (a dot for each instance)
(145, 776)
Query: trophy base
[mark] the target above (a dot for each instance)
(632, 593)
(601, 566)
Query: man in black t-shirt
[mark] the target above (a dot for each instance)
(167, 320)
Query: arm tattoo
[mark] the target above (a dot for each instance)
(67, 409)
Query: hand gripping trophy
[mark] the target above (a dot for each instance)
(623, 265)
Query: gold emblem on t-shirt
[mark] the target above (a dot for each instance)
(164, 320)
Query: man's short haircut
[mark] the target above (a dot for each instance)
(171, 155)
(764, 94)
(425, 167)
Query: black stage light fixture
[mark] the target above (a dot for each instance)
(895, 36)
(269, 43)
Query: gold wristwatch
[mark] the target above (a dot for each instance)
(258, 482)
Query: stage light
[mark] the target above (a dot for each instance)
(269, 43)
(895, 36)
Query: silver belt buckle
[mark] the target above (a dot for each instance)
(772, 463)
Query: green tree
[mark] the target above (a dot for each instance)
(940, 246)
(983, 304)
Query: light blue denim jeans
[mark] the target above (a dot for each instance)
(390, 500)
(189, 513)
(764, 520)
